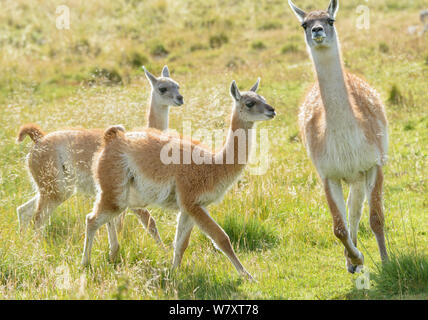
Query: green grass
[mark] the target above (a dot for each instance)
(279, 223)
(251, 234)
(403, 275)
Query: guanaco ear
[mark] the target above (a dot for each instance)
(165, 72)
(234, 91)
(333, 7)
(153, 80)
(300, 14)
(256, 85)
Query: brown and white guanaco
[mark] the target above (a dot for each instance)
(60, 162)
(344, 128)
(131, 173)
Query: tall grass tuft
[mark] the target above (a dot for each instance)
(404, 274)
(395, 95)
(249, 233)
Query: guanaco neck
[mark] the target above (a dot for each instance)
(158, 114)
(332, 84)
(235, 153)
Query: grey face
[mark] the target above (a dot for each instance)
(318, 25)
(251, 106)
(319, 29)
(165, 90)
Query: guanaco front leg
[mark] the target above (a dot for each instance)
(182, 236)
(334, 194)
(355, 207)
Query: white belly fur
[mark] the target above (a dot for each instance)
(347, 155)
(218, 194)
(145, 192)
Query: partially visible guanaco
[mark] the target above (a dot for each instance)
(60, 162)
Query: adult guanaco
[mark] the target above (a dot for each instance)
(344, 128)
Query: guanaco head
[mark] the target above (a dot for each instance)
(318, 25)
(250, 106)
(164, 90)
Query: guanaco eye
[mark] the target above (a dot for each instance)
(250, 104)
(304, 25)
(330, 21)
(162, 90)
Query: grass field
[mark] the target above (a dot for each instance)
(279, 223)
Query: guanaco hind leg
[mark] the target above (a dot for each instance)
(374, 186)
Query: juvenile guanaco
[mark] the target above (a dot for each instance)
(60, 162)
(132, 173)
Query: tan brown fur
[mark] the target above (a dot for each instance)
(32, 130)
(48, 172)
(312, 118)
(197, 179)
(366, 107)
(317, 15)
(376, 213)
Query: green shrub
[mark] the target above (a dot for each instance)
(271, 25)
(136, 60)
(235, 62)
(82, 47)
(159, 50)
(258, 45)
(395, 96)
(105, 76)
(290, 48)
(216, 41)
(383, 47)
(409, 126)
(197, 47)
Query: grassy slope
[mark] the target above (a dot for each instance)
(44, 79)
